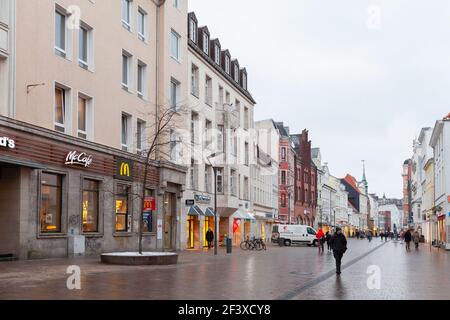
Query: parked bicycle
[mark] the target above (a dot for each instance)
(253, 244)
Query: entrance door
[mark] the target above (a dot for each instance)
(190, 226)
(169, 218)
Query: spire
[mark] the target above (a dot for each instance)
(364, 180)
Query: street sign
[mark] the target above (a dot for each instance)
(190, 202)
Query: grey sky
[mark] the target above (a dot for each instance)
(363, 92)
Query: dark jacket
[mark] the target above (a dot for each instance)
(338, 243)
(408, 236)
(328, 237)
(209, 236)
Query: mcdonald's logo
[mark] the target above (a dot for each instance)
(124, 169)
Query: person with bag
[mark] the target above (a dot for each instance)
(338, 243)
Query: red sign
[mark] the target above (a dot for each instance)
(236, 225)
(448, 199)
(149, 204)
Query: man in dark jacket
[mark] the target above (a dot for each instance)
(338, 243)
(209, 237)
(408, 238)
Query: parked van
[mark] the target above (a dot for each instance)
(294, 234)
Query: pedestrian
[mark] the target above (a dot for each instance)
(369, 236)
(408, 238)
(328, 239)
(209, 237)
(357, 234)
(339, 245)
(382, 235)
(416, 239)
(320, 239)
(402, 236)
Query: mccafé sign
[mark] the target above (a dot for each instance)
(124, 169)
(79, 159)
(7, 143)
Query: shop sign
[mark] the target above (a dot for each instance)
(7, 143)
(149, 204)
(190, 202)
(202, 199)
(124, 169)
(79, 159)
(448, 199)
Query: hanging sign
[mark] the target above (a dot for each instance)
(7, 143)
(79, 159)
(149, 204)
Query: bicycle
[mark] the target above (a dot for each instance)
(259, 244)
(247, 244)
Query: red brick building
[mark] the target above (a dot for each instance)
(305, 180)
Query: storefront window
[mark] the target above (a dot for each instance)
(90, 206)
(51, 203)
(123, 220)
(149, 217)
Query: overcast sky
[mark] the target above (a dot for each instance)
(363, 76)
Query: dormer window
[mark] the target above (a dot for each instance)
(236, 73)
(244, 81)
(217, 54)
(193, 30)
(227, 64)
(205, 43)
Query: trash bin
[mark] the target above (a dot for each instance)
(280, 242)
(229, 245)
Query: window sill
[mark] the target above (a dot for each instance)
(123, 234)
(52, 236)
(176, 60)
(195, 95)
(93, 235)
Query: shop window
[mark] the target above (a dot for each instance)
(149, 217)
(51, 203)
(123, 218)
(90, 206)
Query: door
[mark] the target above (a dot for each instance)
(190, 232)
(169, 218)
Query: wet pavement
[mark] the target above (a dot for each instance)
(278, 273)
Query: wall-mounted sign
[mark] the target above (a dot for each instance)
(149, 204)
(124, 169)
(190, 202)
(79, 159)
(7, 143)
(448, 199)
(202, 199)
(159, 229)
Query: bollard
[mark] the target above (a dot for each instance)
(280, 242)
(229, 246)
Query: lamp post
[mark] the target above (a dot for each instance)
(216, 225)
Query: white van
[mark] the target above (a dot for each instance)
(294, 234)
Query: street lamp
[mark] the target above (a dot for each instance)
(216, 225)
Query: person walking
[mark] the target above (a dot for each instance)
(320, 239)
(328, 238)
(408, 238)
(209, 237)
(382, 235)
(369, 236)
(338, 243)
(416, 239)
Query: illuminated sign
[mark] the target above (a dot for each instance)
(149, 204)
(79, 159)
(7, 143)
(124, 169)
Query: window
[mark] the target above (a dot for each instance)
(246, 186)
(247, 154)
(193, 175)
(126, 70)
(311, 231)
(205, 43)
(126, 14)
(141, 79)
(123, 218)
(90, 205)
(142, 24)
(283, 200)
(125, 132)
(149, 218)
(208, 91)
(227, 98)
(60, 109)
(85, 46)
(227, 64)
(194, 80)
(283, 177)
(174, 93)
(174, 147)
(175, 45)
(51, 203)
(194, 120)
(236, 73)
(220, 180)
(208, 182)
(244, 81)
(207, 134)
(220, 137)
(176, 3)
(217, 54)
(246, 118)
(283, 154)
(82, 117)
(233, 183)
(193, 30)
(60, 33)
(140, 136)
(221, 97)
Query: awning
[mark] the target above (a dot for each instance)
(239, 214)
(20, 162)
(209, 212)
(249, 216)
(195, 211)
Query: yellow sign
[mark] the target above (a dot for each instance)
(125, 169)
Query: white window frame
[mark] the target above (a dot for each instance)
(143, 92)
(127, 24)
(89, 64)
(208, 90)
(205, 43)
(127, 145)
(195, 75)
(143, 136)
(128, 85)
(67, 51)
(176, 3)
(236, 73)
(89, 116)
(176, 35)
(217, 54)
(193, 30)
(177, 84)
(227, 64)
(67, 114)
(142, 36)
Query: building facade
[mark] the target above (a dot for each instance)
(80, 116)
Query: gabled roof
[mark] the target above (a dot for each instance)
(351, 181)
(192, 16)
(204, 29)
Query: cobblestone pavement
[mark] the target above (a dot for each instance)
(278, 273)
